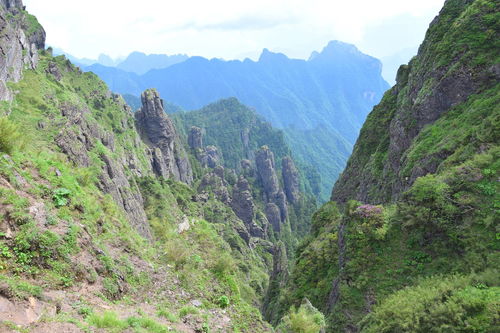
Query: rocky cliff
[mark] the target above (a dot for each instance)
(21, 37)
(169, 157)
(451, 67)
(411, 227)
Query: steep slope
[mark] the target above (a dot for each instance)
(328, 95)
(398, 143)
(426, 258)
(20, 37)
(107, 222)
(229, 134)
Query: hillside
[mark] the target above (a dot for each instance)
(409, 242)
(109, 221)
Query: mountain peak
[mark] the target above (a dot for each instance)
(267, 55)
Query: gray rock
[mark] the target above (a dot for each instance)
(214, 182)
(210, 157)
(264, 160)
(18, 46)
(195, 138)
(76, 139)
(169, 159)
(242, 201)
(273, 215)
(280, 200)
(290, 179)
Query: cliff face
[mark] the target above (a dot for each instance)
(158, 131)
(451, 66)
(415, 206)
(21, 37)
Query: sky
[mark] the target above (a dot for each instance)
(232, 29)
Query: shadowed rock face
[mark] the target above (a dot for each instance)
(264, 160)
(209, 157)
(273, 215)
(242, 201)
(195, 138)
(158, 132)
(18, 45)
(78, 138)
(290, 179)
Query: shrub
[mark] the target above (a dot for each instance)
(223, 301)
(108, 320)
(10, 136)
(187, 310)
(438, 304)
(60, 197)
(305, 319)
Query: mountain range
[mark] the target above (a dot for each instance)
(327, 96)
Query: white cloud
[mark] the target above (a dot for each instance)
(230, 28)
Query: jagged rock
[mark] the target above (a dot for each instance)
(77, 139)
(280, 200)
(54, 71)
(195, 138)
(219, 171)
(214, 182)
(256, 230)
(264, 160)
(158, 132)
(290, 179)
(273, 216)
(210, 157)
(18, 45)
(277, 281)
(9, 4)
(242, 201)
(184, 225)
(427, 88)
(125, 194)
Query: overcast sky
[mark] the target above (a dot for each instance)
(232, 29)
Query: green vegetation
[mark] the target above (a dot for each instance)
(66, 232)
(305, 319)
(455, 304)
(10, 136)
(425, 258)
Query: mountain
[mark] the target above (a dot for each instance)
(113, 220)
(409, 242)
(140, 63)
(327, 96)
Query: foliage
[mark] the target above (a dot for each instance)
(438, 304)
(11, 138)
(305, 319)
(60, 197)
(223, 301)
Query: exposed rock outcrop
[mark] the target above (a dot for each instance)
(209, 157)
(264, 160)
(290, 179)
(195, 138)
(277, 281)
(20, 40)
(78, 138)
(448, 69)
(242, 201)
(158, 132)
(214, 182)
(273, 215)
